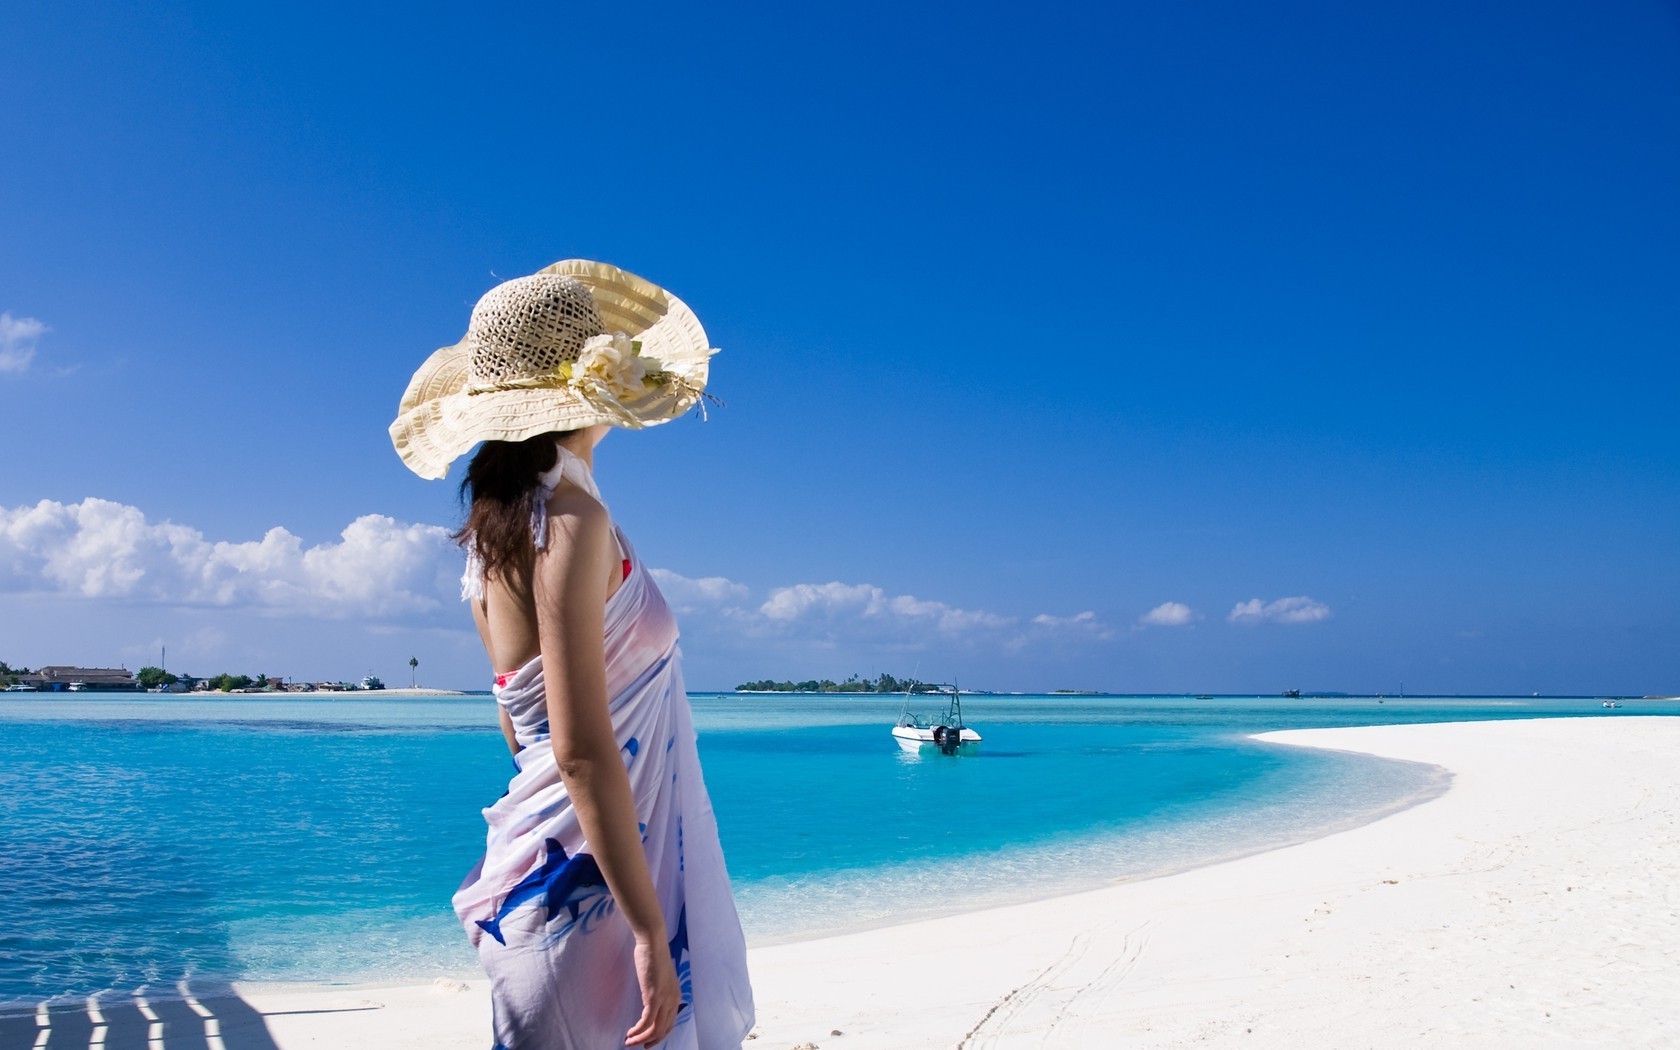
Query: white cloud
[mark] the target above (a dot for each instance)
(835, 613)
(1085, 622)
(1299, 609)
(17, 342)
(708, 592)
(860, 602)
(1167, 614)
(98, 549)
(388, 571)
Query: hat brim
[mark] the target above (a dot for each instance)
(438, 419)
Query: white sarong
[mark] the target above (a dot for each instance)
(536, 907)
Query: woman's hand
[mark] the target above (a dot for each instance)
(661, 995)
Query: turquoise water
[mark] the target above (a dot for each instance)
(147, 841)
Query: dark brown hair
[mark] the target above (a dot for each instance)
(500, 483)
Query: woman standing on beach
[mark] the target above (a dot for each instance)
(601, 909)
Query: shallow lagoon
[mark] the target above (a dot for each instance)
(150, 840)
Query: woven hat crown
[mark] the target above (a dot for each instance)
(577, 344)
(528, 327)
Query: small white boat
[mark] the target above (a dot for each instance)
(947, 735)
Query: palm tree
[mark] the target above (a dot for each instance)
(414, 681)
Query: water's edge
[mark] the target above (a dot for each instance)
(1073, 795)
(1440, 782)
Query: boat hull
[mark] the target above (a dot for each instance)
(917, 740)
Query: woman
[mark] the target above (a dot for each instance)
(601, 909)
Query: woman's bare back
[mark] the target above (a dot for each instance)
(506, 616)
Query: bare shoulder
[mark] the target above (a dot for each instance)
(572, 502)
(578, 527)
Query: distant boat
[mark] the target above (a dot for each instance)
(1292, 694)
(948, 735)
(370, 682)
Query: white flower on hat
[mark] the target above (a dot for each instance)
(613, 363)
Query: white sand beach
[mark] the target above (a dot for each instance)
(1535, 903)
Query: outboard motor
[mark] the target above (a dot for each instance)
(947, 738)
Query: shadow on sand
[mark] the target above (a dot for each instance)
(213, 1019)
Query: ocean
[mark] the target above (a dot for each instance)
(148, 841)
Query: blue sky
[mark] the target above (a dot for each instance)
(1191, 347)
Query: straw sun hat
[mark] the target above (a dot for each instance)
(572, 345)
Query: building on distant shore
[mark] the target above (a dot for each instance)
(60, 678)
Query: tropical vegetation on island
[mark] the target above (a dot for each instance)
(854, 684)
(152, 677)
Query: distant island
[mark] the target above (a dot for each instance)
(68, 678)
(884, 684)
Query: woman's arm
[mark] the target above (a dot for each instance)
(570, 587)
